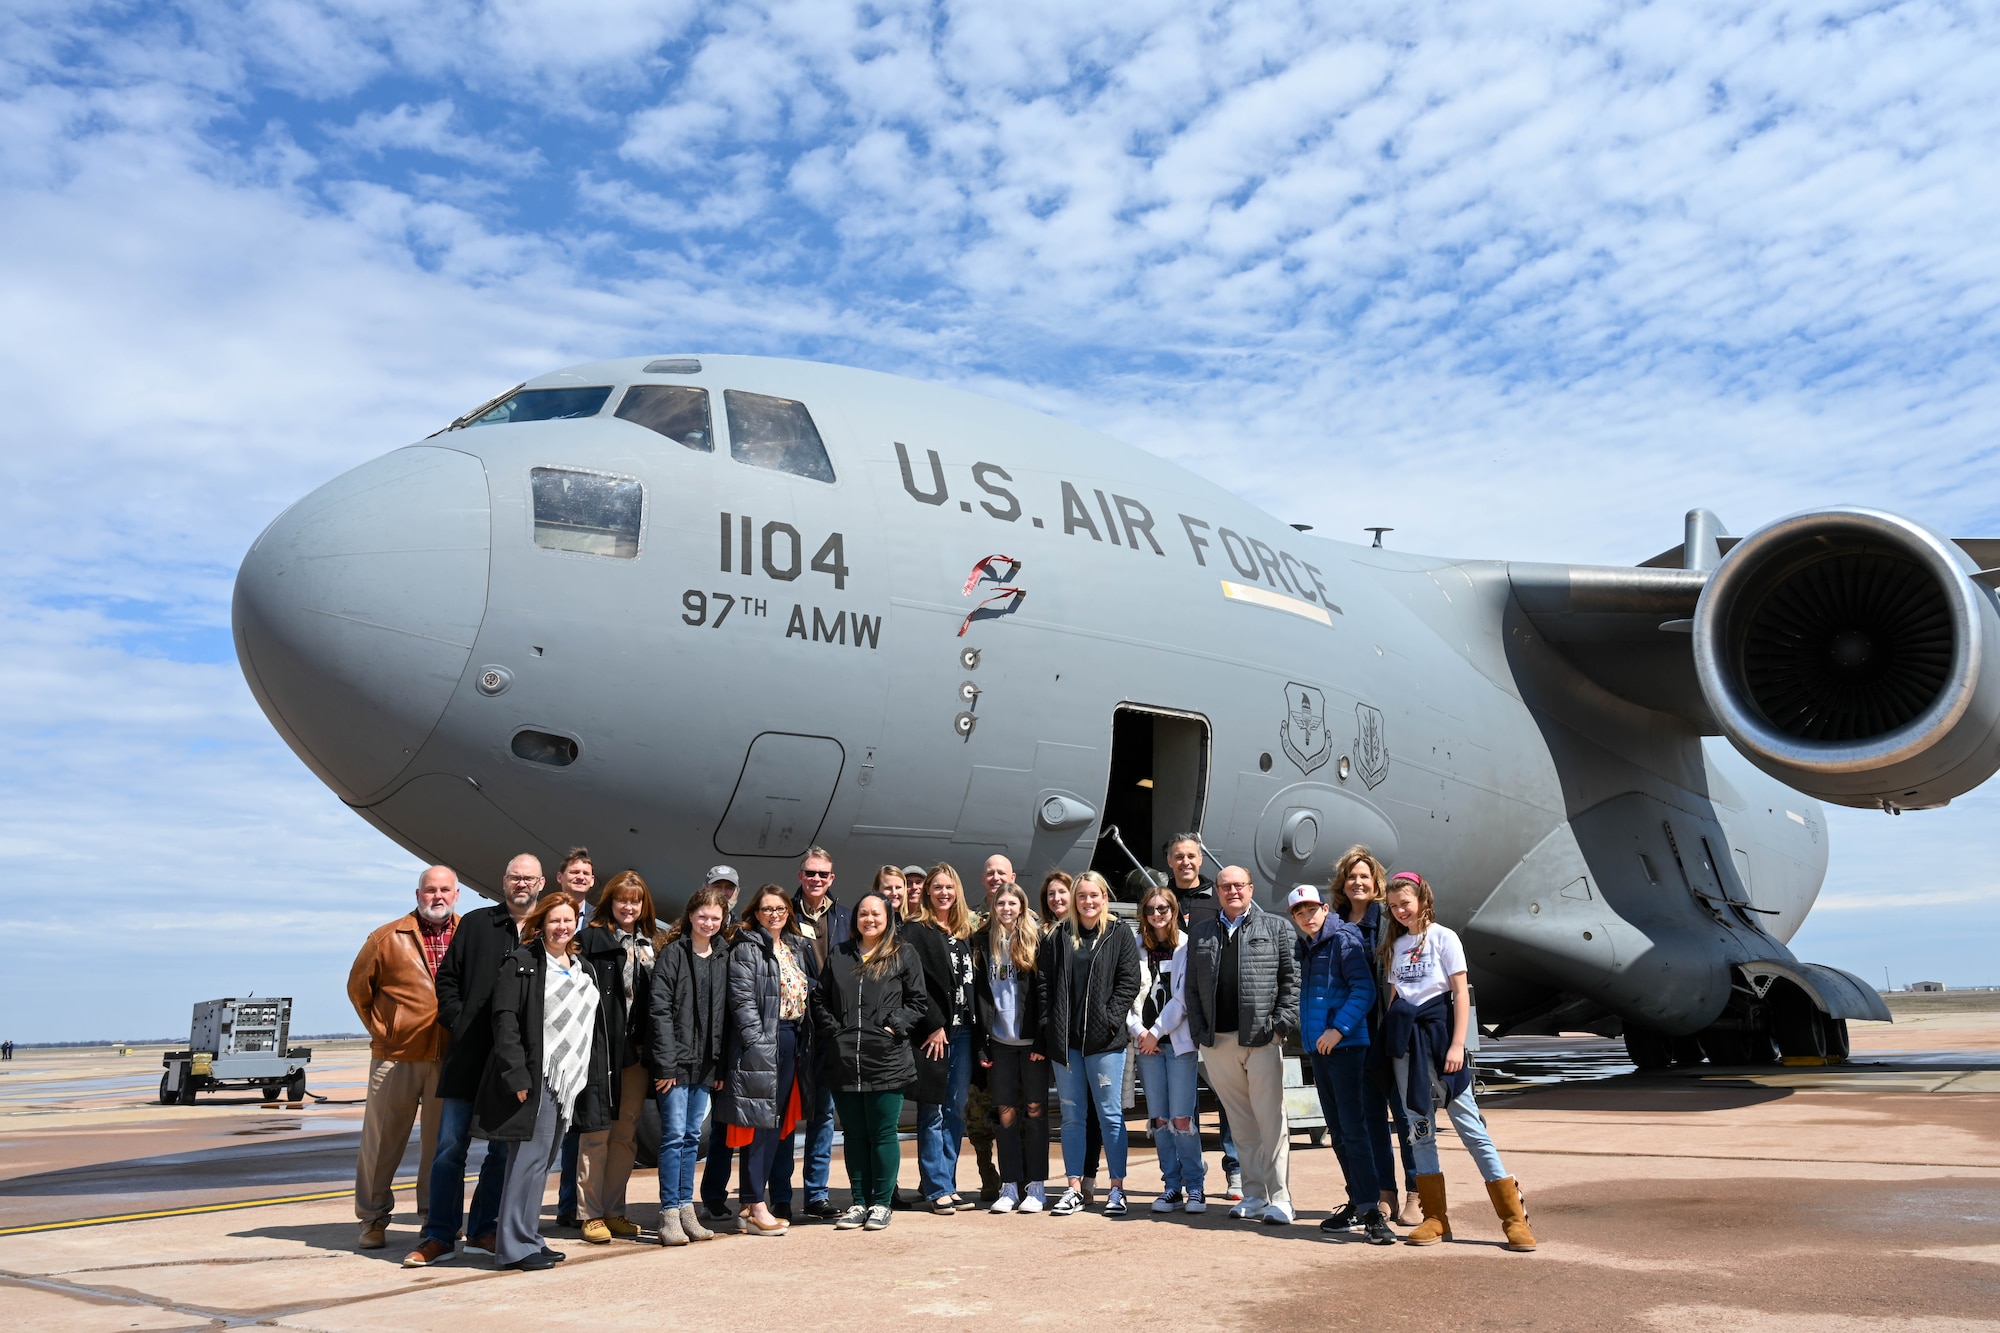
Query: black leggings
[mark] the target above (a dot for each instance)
(758, 1156)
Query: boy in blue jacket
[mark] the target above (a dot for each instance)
(1338, 990)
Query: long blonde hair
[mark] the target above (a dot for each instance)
(956, 923)
(1020, 942)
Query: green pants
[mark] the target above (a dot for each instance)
(868, 1132)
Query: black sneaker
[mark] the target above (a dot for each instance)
(539, 1262)
(878, 1219)
(1344, 1220)
(822, 1208)
(853, 1217)
(1377, 1228)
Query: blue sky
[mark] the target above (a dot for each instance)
(1521, 280)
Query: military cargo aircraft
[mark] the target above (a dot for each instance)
(699, 607)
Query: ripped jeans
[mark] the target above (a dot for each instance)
(1169, 1081)
(1099, 1080)
(1465, 1118)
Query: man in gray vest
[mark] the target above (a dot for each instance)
(1242, 998)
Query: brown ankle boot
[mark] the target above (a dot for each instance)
(1506, 1196)
(1436, 1225)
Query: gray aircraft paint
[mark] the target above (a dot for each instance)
(400, 626)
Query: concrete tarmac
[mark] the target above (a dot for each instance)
(1851, 1199)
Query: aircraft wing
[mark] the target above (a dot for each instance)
(1626, 629)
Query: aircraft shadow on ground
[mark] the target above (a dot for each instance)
(324, 1159)
(1642, 1097)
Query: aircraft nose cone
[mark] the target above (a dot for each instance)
(356, 611)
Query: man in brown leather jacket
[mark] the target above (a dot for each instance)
(392, 987)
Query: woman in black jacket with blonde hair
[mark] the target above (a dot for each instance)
(939, 929)
(870, 998)
(1086, 977)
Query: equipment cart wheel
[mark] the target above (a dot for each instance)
(166, 1093)
(187, 1089)
(295, 1087)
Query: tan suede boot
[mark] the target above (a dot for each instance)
(1506, 1196)
(1436, 1225)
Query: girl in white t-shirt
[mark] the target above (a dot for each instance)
(1428, 1019)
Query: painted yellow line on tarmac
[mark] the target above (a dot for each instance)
(189, 1212)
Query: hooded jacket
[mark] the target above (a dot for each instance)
(515, 1065)
(754, 997)
(391, 989)
(1339, 985)
(687, 1006)
(1114, 984)
(465, 980)
(862, 1024)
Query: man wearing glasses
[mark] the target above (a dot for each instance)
(465, 977)
(826, 925)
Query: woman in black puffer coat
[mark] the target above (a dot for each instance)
(770, 991)
(869, 999)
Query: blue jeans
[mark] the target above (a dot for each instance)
(715, 1171)
(447, 1201)
(681, 1110)
(1465, 1118)
(1230, 1166)
(1100, 1081)
(1169, 1081)
(1341, 1079)
(941, 1125)
(566, 1187)
(819, 1142)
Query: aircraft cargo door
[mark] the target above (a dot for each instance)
(1158, 787)
(782, 795)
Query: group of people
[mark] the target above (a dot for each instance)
(545, 1024)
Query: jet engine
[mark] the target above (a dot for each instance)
(1853, 654)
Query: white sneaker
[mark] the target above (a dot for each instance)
(1234, 1186)
(1197, 1202)
(1170, 1201)
(1037, 1199)
(1247, 1208)
(1009, 1200)
(1277, 1214)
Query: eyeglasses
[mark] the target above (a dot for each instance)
(524, 879)
(769, 908)
(1159, 909)
(817, 874)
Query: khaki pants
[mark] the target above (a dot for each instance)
(1249, 1081)
(605, 1155)
(396, 1091)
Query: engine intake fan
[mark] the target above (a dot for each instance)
(1848, 653)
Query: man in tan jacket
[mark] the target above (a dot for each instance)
(392, 988)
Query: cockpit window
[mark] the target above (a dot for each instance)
(543, 405)
(590, 512)
(776, 433)
(677, 412)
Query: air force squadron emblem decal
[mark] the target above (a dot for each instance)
(1371, 750)
(1304, 729)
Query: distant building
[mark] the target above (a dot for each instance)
(1927, 987)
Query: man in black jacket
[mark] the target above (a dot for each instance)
(1242, 998)
(1196, 894)
(465, 981)
(826, 925)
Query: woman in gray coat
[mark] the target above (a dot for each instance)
(770, 988)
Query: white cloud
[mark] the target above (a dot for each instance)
(1518, 282)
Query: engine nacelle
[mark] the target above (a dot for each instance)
(1849, 654)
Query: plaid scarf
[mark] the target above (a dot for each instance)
(569, 1010)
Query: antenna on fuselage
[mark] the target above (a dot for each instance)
(1378, 535)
